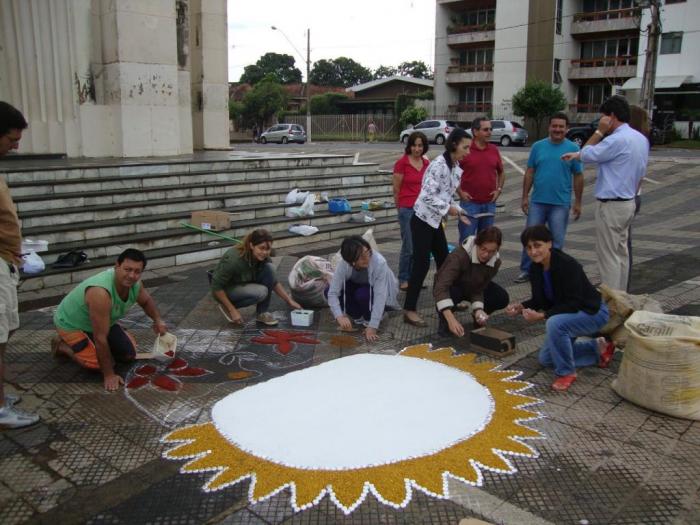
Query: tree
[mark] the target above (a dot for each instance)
(415, 69)
(384, 72)
(537, 100)
(327, 103)
(412, 115)
(266, 99)
(281, 66)
(341, 71)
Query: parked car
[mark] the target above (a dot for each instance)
(435, 130)
(283, 133)
(507, 132)
(580, 133)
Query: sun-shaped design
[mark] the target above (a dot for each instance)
(499, 432)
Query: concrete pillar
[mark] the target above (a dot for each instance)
(209, 71)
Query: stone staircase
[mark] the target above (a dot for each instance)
(103, 209)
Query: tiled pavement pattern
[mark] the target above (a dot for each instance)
(95, 457)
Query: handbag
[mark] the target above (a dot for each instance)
(70, 259)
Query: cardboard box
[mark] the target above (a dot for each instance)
(492, 341)
(211, 220)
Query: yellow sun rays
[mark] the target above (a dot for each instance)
(207, 450)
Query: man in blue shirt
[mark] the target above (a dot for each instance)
(622, 162)
(551, 179)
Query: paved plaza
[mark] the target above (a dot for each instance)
(96, 457)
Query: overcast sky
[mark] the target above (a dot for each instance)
(371, 32)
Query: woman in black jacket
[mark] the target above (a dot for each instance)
(564, 297)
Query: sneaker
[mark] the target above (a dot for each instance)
(267, 319)
(12, 399)
(11, 417)
(522, 278)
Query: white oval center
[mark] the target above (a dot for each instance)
(354, 412)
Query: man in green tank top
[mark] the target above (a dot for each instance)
(87, 318)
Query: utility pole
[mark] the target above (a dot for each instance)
(646, 96)
(308, 84)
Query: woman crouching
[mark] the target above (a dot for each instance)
(364, 285)
(245, 276)
(564, 297)
(467, 274)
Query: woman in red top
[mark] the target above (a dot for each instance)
(408, 176)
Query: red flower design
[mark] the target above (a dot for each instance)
(146, 374)
(283, 339)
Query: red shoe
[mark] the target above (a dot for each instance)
(562, 384)
(607, 351)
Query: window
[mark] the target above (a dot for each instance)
(479, 17)
(621, 48)
(498, 124)
(476, 57)
(556, 75)
(671, 43)
(591, 96)
(475, 98)
(558, 17)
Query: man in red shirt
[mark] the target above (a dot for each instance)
(482, 180)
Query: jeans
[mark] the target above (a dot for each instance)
(258, 293)
(562, 351)
(426, 240)
(405, 258)
(556, 217)
(477, 224)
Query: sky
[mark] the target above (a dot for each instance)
(371, 32)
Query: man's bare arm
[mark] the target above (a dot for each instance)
(99, 304)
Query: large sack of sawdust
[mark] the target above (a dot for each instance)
(621, 305)
(661, 366)
(308, 280)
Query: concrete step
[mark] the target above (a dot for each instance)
(138, 196)
(46, 189)
(180, 235)
(196, 252)
(74, 213)
(122, 168)
(78, 232)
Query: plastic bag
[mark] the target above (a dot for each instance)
(661, 366)
(295, 196)
(32, 263)
(305, 210)
(339, 205)
(308, 280)
(303, 229)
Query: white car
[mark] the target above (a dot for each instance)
(435, 130)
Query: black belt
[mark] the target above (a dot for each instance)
(616, 199)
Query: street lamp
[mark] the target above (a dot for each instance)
(308, 72)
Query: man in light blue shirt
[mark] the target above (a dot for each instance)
(551, 179)
(622, 162)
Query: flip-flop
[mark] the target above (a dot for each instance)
(562, 384)
(606, 355)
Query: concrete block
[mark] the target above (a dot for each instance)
(137, 137)
(146, 39)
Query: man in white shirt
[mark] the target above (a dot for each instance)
(622, 162)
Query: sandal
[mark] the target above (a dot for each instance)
(562, 384)
(420, 323)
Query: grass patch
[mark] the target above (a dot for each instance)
(684, 144)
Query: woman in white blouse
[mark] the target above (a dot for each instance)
(434, 202)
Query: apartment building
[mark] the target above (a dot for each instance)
(485, 50)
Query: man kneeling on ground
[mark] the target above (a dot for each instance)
(87, 318)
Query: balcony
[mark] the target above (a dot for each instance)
(606, 21)
(475, 34)
(605, 67)
(584, 112)
(471, 73)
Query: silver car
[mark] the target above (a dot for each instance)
(284, 133)
(507, 132)
(435, 130)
